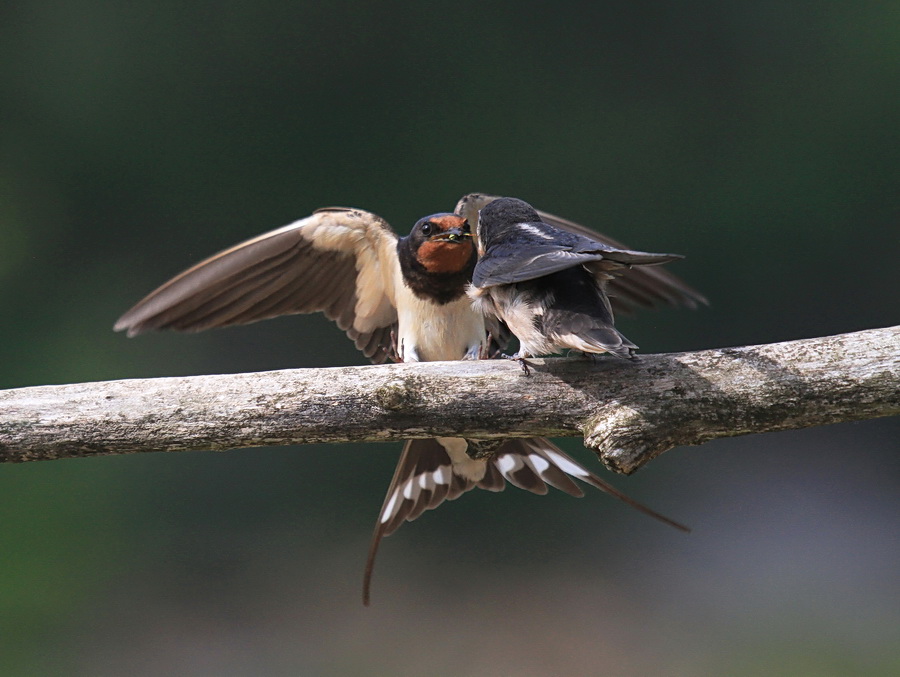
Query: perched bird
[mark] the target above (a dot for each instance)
(549, 285)
(398, 298)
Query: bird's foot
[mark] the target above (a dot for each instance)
(525, 364)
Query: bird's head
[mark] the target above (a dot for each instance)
(500, 218)
(442, 243)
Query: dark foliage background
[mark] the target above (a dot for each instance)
(759, 138)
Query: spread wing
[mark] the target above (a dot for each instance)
(338, 261)
(644, 287)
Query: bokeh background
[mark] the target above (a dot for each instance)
(761, 139)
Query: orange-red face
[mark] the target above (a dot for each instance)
(446, 245)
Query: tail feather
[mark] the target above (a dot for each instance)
(425, 478)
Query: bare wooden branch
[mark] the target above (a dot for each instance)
(629, 411)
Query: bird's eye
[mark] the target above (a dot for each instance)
(426, 228)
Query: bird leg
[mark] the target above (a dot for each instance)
(520, 358)
(394, 354)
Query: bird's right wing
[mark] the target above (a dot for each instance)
(339, 261)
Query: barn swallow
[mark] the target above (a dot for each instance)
(402, 298)
(549, 285)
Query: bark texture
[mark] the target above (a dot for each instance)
(628, 411)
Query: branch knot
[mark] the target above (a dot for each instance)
(399, 395)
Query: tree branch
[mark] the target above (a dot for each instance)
(628, 411)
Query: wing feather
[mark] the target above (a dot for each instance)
(503, 264)
(338, 261)
(644, 287)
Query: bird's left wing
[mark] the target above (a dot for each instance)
(338, 261)
(518, 262)
(644, 287)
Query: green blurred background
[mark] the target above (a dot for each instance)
(761, 139)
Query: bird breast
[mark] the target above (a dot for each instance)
(428, 331)
(522, 313)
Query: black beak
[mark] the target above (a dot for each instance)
(453, 235)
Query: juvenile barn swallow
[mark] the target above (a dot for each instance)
(398, 298)
(549, 285)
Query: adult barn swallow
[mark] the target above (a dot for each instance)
(400, 298)
(549, 285)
